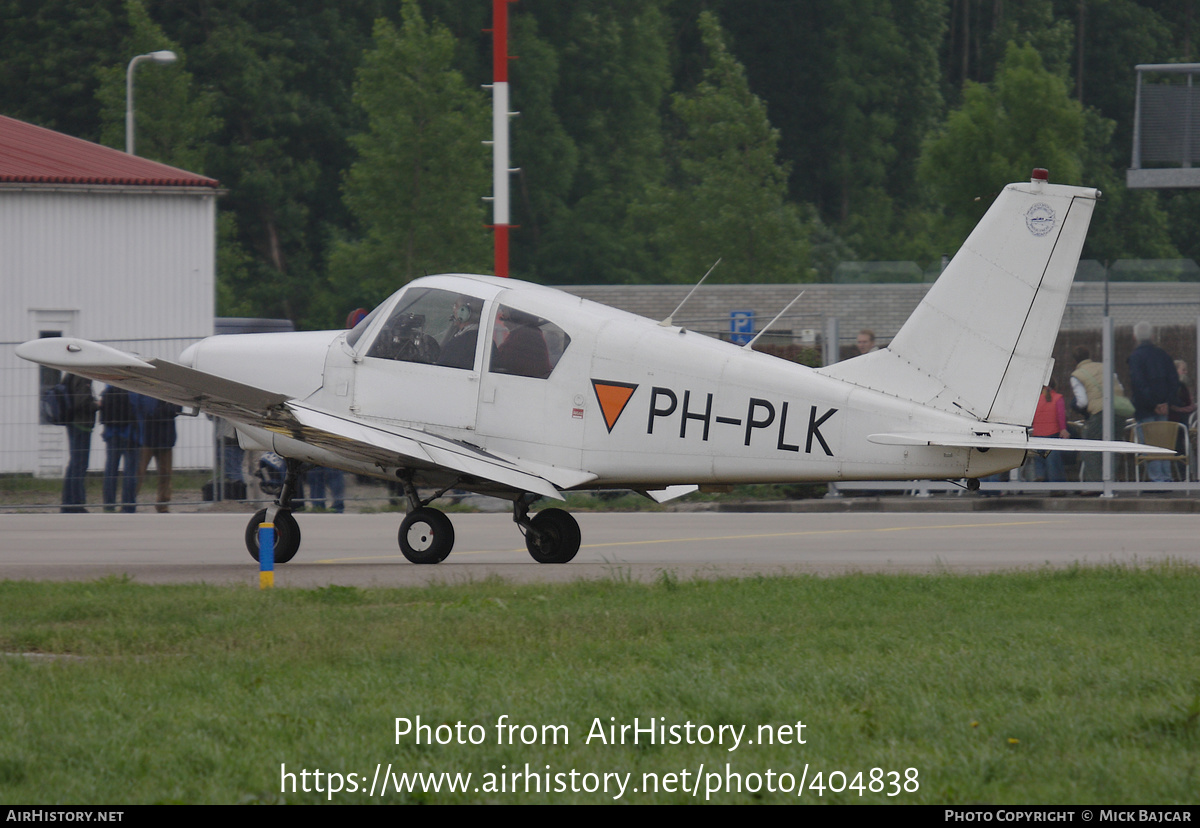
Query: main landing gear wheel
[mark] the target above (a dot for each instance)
(553, 536)
(287, 535)
(426, 536)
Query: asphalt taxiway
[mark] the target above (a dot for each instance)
(361, 550)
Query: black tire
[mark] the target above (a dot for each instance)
(287, 535)
(553, 536)
(426, 536)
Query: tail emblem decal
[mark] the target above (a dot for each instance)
(1040, 219)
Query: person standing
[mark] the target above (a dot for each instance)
(1155, 385)
(1087, 386)
(79, 442)
(121, 455)
(1050, 420)
(1184, 406)
(320, 478)
(231, 457)
(156, 435)
(1182, 411)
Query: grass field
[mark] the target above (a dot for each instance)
(1071, 686)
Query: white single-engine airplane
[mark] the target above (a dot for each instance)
(520, 391)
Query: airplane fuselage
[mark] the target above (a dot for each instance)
(634, 403)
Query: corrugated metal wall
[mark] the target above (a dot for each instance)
(134, 270)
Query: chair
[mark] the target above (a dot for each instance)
(1191, 431)
(1164, 434)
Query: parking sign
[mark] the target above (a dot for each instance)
(741, 326)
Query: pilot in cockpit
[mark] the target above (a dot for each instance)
(458, 348)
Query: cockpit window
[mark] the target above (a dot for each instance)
(526, 345)
(433, 326)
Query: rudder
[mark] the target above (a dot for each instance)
(979, 343)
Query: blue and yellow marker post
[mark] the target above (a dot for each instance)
(266, 555)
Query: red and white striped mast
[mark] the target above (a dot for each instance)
(500, 116)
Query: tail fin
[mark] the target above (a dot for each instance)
(980, 341)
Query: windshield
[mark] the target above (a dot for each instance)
(433, 326)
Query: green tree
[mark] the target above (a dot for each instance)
(852, 85)
(422, 168)
(726, 196)
(51, 49)
(234, 271)
(546, 156)
(271, 177)
(980, 30)
(1127, 223)
(282, 73)
(1024, 119)
(1113, 37)
(175, 119)
(175, 124)
(614, 73)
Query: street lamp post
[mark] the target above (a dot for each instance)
(161, 56)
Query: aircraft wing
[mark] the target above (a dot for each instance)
(153, 377)
(347, 434)
(1009, 441)
(343, 434)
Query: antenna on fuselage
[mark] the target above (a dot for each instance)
(750, 344)
(670, 320)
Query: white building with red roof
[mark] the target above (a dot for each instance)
(102, 245)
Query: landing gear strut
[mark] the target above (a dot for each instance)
(552, 536)
(426, 535)
(287, 530)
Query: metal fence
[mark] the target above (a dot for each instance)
(1111, 345)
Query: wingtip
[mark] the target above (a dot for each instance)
(68, 353)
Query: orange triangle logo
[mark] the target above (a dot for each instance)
(612, 397)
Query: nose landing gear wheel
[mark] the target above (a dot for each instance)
(553, 536)
(287, 535)
(426, 536)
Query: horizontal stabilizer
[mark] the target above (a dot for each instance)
(1011, 441)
